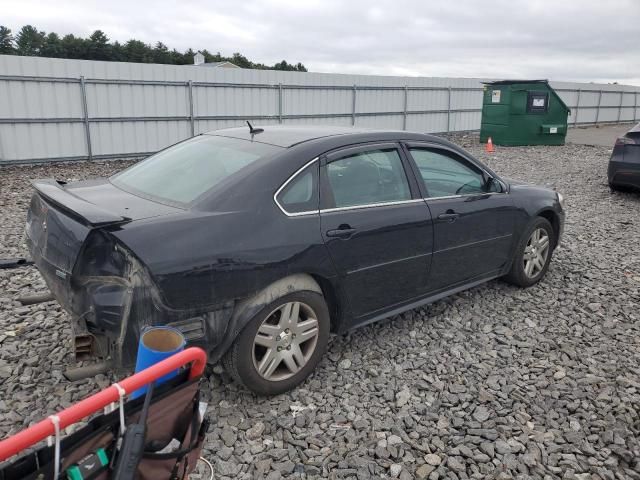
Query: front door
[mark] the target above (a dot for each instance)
(376, 226)
(473, 216)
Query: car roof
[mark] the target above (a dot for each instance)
(287, 135)
(300, 144)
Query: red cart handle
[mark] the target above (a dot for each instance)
(38, 432)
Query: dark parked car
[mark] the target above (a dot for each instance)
(624, 164)
(259, 244)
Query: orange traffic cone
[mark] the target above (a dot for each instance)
(489, 146)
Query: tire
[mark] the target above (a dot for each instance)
(251, 362)
(622, 188)
(526, 274)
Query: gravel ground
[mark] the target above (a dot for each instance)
(496, 382)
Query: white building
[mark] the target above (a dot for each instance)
(198, 59)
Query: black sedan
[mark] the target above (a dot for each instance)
(257, 243)
(624, 164)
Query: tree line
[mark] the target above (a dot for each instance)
(30, 41)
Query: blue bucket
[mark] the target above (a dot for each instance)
(156, 344)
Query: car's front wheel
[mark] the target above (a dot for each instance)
(282, 344)
(533, 254)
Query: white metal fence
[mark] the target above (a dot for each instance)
(55, 110)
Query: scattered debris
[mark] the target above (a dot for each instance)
(14, 262)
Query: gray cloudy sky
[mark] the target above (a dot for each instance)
(579, 40)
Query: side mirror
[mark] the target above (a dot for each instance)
(491, 184)
(487, 181)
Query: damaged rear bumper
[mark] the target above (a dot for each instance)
(108, 313)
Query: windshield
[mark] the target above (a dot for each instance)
(183, 172)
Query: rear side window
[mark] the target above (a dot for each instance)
(445, 174)
(183, 172)
(300, 194)
(367, 178)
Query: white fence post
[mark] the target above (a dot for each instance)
(279, 103)
(85, 115)
(353, 106)
(598, 110)
(620, 106)
(449, 109)
(404, 119)
(191, 118)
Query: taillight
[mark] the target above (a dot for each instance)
(624, 141)
(100, 281)
(101, 256)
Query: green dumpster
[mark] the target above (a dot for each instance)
(523, 112)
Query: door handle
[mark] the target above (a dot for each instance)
(449, 216)
(343, 231)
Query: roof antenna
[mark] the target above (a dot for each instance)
(252, 130)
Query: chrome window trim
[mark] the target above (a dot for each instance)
(446, 197)
(336, 209)
(372, 205)
(289, 180)
(365, 206)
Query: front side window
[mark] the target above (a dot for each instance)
(445, 174)
(183, 172)
(301, 193)
(366, 178)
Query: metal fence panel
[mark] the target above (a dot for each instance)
(118, 100)
(316, 101)
(608, 113)
(466, 99)
(203, 126)
(427, 100)
(334, 121)
(53, 109)
(434, 122)
(587, 115)
(112, 138)
(19, 99)
(223, 101)
(371, 101)
(588, 99)
(465, 121)
(628, 99)
(393, 122)
(41, 141)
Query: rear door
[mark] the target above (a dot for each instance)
(376, 226)
(474, 216)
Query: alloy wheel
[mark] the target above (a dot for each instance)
(536, 252)
(285, 341)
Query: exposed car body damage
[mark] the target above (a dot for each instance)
(111, 305)
(119, 260)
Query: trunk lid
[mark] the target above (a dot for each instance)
(634, 135)
(61, 216)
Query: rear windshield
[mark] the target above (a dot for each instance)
(182, 173)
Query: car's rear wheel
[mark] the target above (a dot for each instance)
(533, 254)
(282, 344)
(622, 188)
